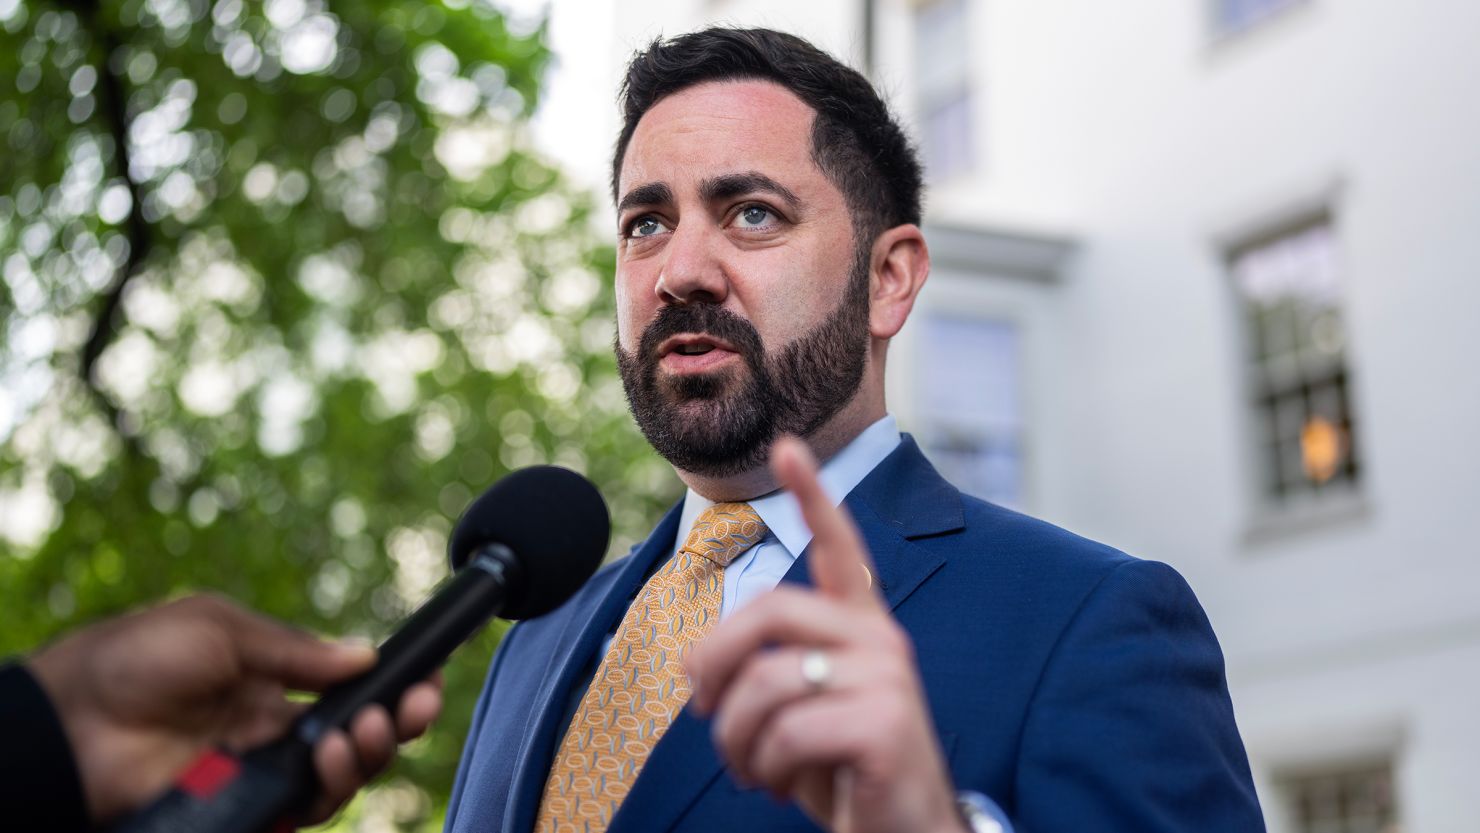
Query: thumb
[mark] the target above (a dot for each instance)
(838, 561)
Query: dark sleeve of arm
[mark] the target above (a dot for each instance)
(1131, 728)
(39, 784)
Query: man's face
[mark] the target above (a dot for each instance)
(742, 301)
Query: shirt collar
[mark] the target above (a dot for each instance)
(781, 512)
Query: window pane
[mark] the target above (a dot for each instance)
(1291, 290)
(971, 405)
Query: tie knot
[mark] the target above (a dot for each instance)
(723, 531)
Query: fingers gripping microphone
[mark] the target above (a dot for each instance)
(520, 550)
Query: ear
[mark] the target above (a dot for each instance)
(899, 264)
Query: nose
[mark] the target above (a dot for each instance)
(693, 272)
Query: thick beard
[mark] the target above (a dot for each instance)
(724, 423)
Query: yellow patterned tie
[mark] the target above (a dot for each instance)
(641, 685)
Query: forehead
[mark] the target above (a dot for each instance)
(721, 126)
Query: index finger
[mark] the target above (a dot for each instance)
(838, 560)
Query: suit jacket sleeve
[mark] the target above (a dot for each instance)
(1131, 728)
(461, 797)
(39, 785)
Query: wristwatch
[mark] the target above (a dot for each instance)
(979, 813)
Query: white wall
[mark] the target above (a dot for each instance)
(1128, 127)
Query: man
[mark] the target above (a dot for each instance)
(100, 722)
(952, 665)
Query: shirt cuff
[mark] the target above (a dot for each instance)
(40, 787)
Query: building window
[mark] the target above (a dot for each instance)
(1299, 377)
(943, 83)
(1357, 799)
(1233, 16)
(971, 408)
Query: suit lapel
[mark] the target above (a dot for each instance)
(902, 498)
(571, 665)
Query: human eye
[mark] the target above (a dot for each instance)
(755, 216)
(645, 226)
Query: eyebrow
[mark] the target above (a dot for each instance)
(653, 193)
(734, 185)
(725, 186)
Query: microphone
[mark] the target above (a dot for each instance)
(519, 551)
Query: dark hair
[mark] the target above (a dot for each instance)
(856, 141)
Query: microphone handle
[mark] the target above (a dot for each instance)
(270, 787)
(422, 643)
(265, 790)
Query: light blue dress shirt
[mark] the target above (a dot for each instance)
(761, 567)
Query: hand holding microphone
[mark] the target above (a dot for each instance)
(202, 674)
(139, 697)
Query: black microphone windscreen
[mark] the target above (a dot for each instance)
(555, 522)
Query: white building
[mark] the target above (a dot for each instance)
(1205, 275)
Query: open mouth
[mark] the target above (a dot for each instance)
(693, 352)
(693, 345)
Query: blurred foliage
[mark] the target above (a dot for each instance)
(284, 287)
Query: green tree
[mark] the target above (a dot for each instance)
(284, 287)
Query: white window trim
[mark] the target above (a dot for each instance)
(1267, 521)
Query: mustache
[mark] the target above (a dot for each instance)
(700, 319)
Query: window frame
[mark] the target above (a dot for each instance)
(1270, 517)
(934, 426)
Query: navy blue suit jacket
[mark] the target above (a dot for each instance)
(1081, 689)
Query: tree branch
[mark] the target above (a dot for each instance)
(113, 104)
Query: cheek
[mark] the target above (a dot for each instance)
(795, 299)
(632, 312)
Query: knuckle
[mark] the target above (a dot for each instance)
(731, 739)
(788, 737)
(723, 734)
(192, 604)
(215, 600)
(209, 604)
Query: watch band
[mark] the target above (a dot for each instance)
(979, 813)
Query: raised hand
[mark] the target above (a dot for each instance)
(815, 694)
